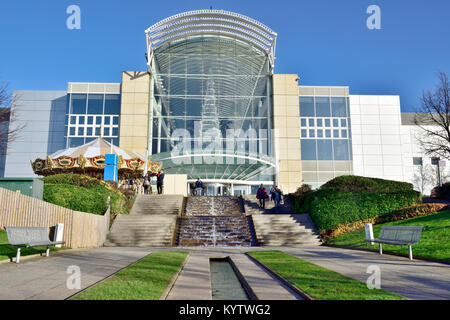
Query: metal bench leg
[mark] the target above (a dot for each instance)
(410, 252)
(47, 252)
(18, 255)
(381, 248)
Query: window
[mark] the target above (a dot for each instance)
(78, 104)
(319, 133)
(81, 131)
(311, 122)
(327, 123)
(72, 131)
(344, 133)
(312, 133)
(95, 104)
(307, 107)
(115, 120)
(106, 132)
(319, 122)
(115, 131)
(112, 104)
(335, 133)
(90, 120)
(338, 107)
(417, 161)
(304, 133)
(308, 149)
(73, 120)
(81, 120)
(328, 133)
(107, 120)
(89, 131)
(340, 150)
(335, 123)
(322, 106)
(303, 122)
(324, 149)
(343, 123)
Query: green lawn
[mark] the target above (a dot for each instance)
(144, 280)
(434, 242)
(8, 251)
(318, 282)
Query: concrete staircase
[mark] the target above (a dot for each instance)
(285, 230)
(150, 223)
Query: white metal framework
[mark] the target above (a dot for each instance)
(211, 22)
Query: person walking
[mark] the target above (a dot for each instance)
(199, 187)
(146, 183)
(261, 195)
(272, 193)
(277, 197)
(160, 181)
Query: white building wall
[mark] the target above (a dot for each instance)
(376, 134)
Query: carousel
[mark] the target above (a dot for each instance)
(89, 159)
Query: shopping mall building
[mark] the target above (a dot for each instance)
(211, 106)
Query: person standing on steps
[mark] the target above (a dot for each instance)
(146, 183)
(160, 181)
(262, 195)
(199, 186)
(272, 193)
(277, 197)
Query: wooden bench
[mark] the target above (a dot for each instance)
(30, 237)
(399, 235)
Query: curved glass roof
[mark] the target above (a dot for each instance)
(211, 22)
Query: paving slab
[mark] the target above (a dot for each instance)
(194, 281)
(415, 279)
(264, 285)
(46, 277)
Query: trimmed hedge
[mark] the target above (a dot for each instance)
(357, 183)
(83, 193)
(330, 208)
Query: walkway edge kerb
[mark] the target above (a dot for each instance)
(110, 276)
(174, 279)
(281, 278)
(387, 253)
(247, 288)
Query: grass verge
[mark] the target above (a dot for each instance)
(434, 242)
(7, 251)
(145, 280)
(318, 282)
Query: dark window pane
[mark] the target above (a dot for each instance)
(341, 151)
(107, 120)
(311, 122)
(112, 104)
(339, 107)
(98, 120)
(78, 103)
(97, 132)
(417, 161)
(72, 131)
(319, 133)
(303, 122)
(344, 133)
(90, 120)
(308, 149)
(116, 120)
(319, 122)
(307, 107)
(328, 133)
(304, 133)
(335, 123)
(336, 133)
(106, 132)
(343, 123)
(322, 106)
(95, 104)
(312, 133)
(75, 142)
(81, 120)
(89, 131)
(73, 120)
(81, 131)
(327, 123)
(324, 150)
(115, 131)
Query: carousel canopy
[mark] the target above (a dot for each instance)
(90, 159)
(95, 148)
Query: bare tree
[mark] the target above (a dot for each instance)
(433, 118)
(7, 115)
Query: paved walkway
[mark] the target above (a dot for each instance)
(46, 277)
(415, 279)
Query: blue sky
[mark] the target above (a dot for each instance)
(326, 42)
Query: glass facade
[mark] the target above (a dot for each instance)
(215, 89)
(326, 144)
(88, 114)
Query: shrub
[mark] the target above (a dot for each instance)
(301, 191)
(83, 193)
(357, 183)
(442, 192)
(330, 208)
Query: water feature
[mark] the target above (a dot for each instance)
(225, 283)
(213, 221)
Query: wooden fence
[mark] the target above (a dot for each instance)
(81, 229)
